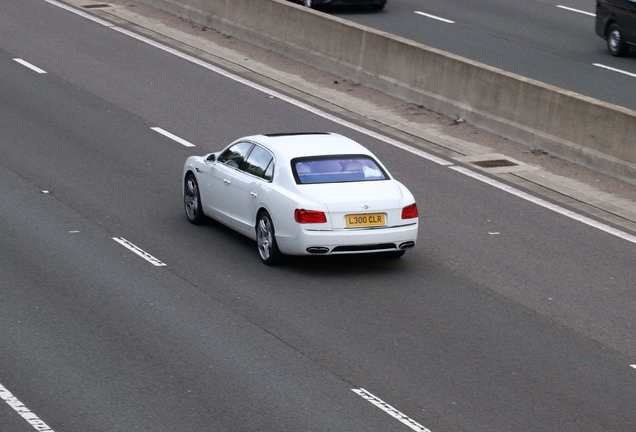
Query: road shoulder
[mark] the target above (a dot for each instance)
(602, 197)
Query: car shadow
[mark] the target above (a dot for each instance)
(331, 266)
(336, 266)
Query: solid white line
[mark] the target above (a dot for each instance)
(172, 137)
(80, 13)
(355, 127)
(285, 98)
(145, 255)
(576, 10)
(30, 66)
(614, 69)
(435, 17)
(268, 91)
(538, 201)
(390, 410)
(26, 413)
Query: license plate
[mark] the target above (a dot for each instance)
(365, 220)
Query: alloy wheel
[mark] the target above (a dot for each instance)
(192, 201)
(265, 237)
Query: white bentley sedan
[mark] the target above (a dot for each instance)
(302, 194)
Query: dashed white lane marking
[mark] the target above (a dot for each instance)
(435, 17)
(30, 66)
(285, 98)
(538, 201)
(352, 126)
(145, 255)
(390, 410)
(634, 366)
(21, 409)
(614, 69)
(575, 10)
(172, 137)
(261, 88)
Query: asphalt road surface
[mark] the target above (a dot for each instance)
(550, 41)
(506, 316)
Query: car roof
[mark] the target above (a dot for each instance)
(294, 145)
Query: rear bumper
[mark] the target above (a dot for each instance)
(356, 241)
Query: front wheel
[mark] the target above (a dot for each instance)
(266, 240)
(615, 41)
(192, 201)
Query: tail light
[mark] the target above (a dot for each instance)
(309, 216)
(410, 211)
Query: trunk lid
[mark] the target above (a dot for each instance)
(359, 202)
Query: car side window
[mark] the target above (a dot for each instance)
(259, 163)
(235, 155)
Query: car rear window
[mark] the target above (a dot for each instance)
(336, 169)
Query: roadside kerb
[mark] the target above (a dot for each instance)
(577, 128)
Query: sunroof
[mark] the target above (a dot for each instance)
(273, 135)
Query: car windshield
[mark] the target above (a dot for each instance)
(336, 169)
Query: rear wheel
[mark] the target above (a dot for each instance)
(192, 200)
(615, 41)
(266, 240)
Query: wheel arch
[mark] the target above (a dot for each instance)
(608, 23)
(188, 171)
(262, 208)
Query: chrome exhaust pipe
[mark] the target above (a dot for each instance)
(407, 245)
(317, 250)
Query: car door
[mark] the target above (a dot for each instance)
(217, 178)
(255, 174)
(630, 23)
(624, 12)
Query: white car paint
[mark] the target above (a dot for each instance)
(236, 198)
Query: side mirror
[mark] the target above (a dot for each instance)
(211, 157)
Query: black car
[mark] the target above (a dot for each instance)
(616, 23)
(372, 4)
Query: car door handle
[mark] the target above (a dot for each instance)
(226, 181)
(253, 194)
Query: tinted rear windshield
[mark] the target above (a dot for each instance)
(336, 169)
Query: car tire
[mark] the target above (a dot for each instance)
(615, 41)
(266, 240)
(308, 3)
(192, 201)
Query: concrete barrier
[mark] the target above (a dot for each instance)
(589, 132)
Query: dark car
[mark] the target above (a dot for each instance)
(372, 4)
(616, 23)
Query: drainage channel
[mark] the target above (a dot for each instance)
(96, 6)
(497, 163)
